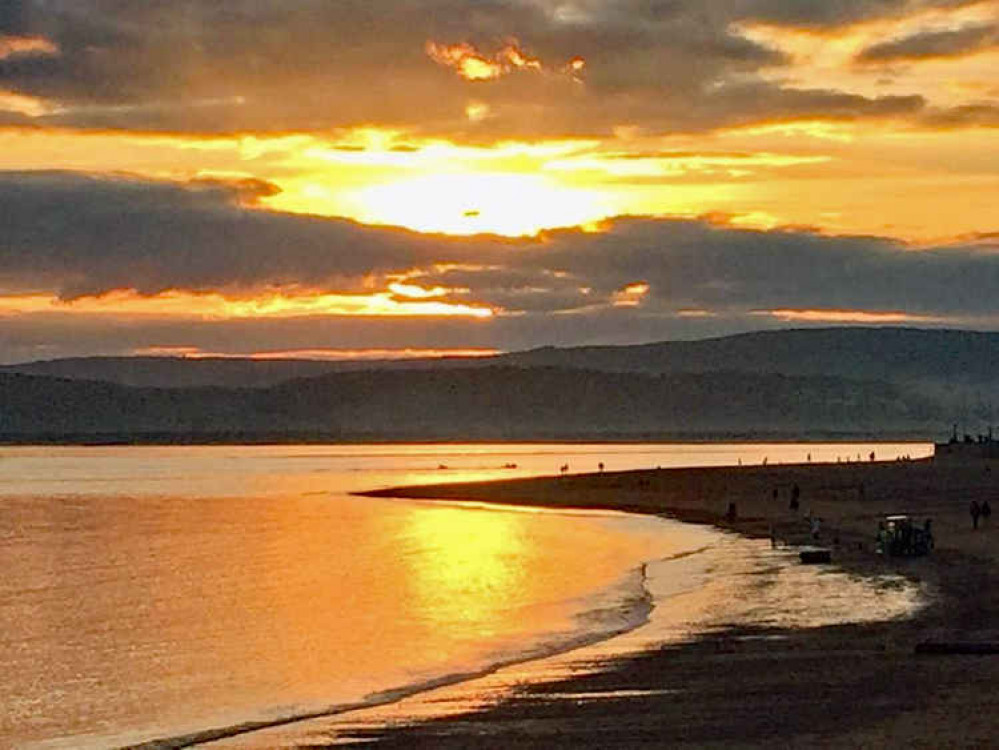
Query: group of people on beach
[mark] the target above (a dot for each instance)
(980, 512)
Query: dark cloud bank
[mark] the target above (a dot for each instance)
(188, 65)
(933, 44)
(75, 235)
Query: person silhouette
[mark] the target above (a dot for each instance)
(976, 511)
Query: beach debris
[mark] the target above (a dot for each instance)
(815, 555)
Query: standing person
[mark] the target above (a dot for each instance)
(975, 511)
(986, 512)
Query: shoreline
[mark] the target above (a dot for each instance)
(841, 685)
(279, 438)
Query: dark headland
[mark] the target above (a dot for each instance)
(841, 686)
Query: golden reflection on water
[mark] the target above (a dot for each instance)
(474, 568)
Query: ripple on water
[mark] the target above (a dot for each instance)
(730, 582)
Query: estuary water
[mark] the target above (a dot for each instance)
(185, 593)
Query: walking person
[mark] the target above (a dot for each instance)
(976, 511)
(986, 513)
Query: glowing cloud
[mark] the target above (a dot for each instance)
(466, 60)
(847, 316)
(331, 355)
(23, 105)
(11, 46)
(475, 65)
(477, 111)
(631, 295)
(219, 306)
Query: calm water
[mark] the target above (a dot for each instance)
(154, 592)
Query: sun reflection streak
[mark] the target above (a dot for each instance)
(473, 568)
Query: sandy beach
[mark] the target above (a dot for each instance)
(839, 686)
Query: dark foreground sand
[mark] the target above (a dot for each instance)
(842, 686)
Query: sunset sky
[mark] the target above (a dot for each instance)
(371, 178)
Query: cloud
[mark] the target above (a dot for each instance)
(970, 115)
(25, 46)
(256, 65)
(473, 65)
(823, 14)
(82, 235)
(933, 44)
(74, 235)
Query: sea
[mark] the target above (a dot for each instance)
(242, 596)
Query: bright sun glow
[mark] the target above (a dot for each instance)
(508, 204)
(756, 174)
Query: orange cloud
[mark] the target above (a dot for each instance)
(31, 106)
(11, 46)
(631, 295)
(332, 355)
(847, 316)
(474, 65)
(465, 59)
(517, 58)
(283, 303)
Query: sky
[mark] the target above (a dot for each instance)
(398, 178)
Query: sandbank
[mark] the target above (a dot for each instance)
(840, 686)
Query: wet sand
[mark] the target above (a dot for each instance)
(841, 686)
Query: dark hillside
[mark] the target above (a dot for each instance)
(482, 403)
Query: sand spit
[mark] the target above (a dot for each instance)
(841, 686)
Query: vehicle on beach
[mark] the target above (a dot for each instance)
(900, 536)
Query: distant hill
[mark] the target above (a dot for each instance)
(956, 370)
(181, 372)
(796, 382)
(934, 359)
(889, 354)
(492, 403)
